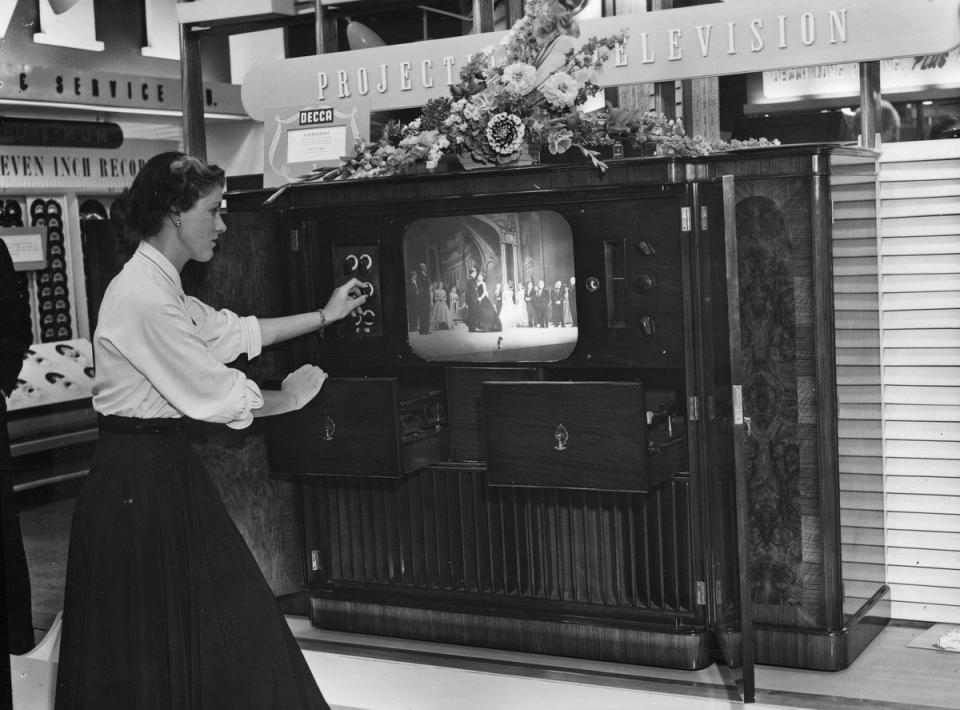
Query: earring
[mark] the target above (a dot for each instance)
(177, 222)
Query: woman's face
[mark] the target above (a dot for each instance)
(201, 226)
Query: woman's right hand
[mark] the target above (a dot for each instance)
(303, 384)
(344, 300)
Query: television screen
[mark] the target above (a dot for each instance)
(494, 287)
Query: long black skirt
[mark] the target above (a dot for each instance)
(164, 604)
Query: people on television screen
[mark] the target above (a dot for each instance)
(424, 304)
(471, 317)
(556, 304)
(487, 318)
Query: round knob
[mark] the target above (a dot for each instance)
(366, 263)
(368, 317)
(592, 284)
(350, 264)
(644, 283)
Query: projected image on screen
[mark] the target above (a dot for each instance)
(491, 287)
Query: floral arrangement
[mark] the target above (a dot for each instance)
(527, 93)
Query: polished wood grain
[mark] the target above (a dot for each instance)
(465, 395)
(566, 434)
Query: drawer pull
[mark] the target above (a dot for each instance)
(329, 426)
(561, 436)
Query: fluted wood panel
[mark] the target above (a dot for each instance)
(445, 530)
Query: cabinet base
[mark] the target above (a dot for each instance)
(667, 647)
(822, 649)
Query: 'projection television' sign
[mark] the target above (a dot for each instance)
(703, 40)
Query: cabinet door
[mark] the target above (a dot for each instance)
(725, 505)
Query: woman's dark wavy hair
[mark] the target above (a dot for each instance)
(167, 183)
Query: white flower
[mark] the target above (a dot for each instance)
(471, 111)
(560, 90)
(518, 78)
(586, 74)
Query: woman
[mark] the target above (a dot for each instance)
(487, 318)
(440, 317)
(165, 606)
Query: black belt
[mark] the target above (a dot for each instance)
(133, 425)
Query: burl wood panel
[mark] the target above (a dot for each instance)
(780, 395)
(566, 434)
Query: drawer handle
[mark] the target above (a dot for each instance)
(560, 435)
(329, 426)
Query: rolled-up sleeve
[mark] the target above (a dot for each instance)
(186, 371)
(226, 334)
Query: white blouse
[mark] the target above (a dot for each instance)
(162, 354)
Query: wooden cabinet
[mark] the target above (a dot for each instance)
(360, 427)
(696, 385)
(794, 213)
(590, 435)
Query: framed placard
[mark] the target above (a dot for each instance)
(27, 247)
(301, 139)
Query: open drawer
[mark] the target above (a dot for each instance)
(589, 435)
(360, 427)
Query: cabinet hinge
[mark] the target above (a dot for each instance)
(704, 221)
(701, 592)
(685, 219)
(294, 240)
(693, 408)
(315, 560)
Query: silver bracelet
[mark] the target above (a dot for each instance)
(323, 321)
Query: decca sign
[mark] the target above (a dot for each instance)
(704, 40)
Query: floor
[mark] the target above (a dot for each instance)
(889, 675)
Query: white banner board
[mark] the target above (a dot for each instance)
(704, 40)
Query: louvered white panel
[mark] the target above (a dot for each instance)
(924, 594)
(863, 501)
(857, 340)
(935, 559)
(923, 431)
(861, 411)
(920, 334)
(856, 465)
(920, 226)
(920, 189)
(914, 467)
(920, 207)
(925, 357)
(923, 539)
(925, 300)
(864, 483)
(859, 301)
(896, 394)
(929, 504)
(949, 450)
(922, 264)
(863, 571)
(908, 337)
(946, 614)
(923, 485)
(873, 554)
(930, 522)
(911, 246)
